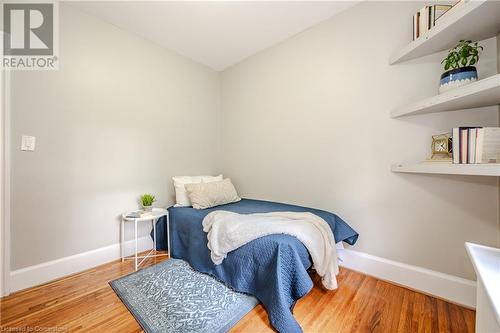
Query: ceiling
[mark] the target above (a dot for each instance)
(215, 33)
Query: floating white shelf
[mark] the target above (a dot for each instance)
(449, 168)
(485, 92)
(474, 20)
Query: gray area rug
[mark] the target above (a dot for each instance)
(173, 297)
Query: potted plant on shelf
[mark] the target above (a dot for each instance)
(147, 202)
(459, 65)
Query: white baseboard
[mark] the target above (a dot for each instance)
(449, 287)
(35, 275)
(455, 289)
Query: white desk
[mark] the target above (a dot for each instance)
(155, 214)
(486, 261)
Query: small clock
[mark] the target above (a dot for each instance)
(441, 147)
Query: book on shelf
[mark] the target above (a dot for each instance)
(476, 145)
(488, 145)
(463, 140)
(471, 147)
(423, 21)
(455, 136)
(416, 28)
(427, 17)
(137, 214)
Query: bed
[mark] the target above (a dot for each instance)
(272, 268)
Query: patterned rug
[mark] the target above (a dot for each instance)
(172, 297)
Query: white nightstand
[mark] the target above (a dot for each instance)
(155, 215)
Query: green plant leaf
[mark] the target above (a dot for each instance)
(465, 52)
(147, 199)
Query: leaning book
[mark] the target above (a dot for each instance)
(437, 11)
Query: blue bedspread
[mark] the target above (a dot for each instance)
(272, 268)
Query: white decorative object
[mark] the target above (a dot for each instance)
(152, 217)
(181, 196)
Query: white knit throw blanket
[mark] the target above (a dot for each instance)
(227, 231)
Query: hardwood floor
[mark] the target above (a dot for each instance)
(85, 302)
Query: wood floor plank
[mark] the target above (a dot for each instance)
(85, 302)
(35, 299)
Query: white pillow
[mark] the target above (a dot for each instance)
(181, 196)
(206, 195)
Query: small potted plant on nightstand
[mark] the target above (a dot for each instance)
(147, 202)
(459, 65)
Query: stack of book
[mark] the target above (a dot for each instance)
(137, 214)
(426, 18)
(476, 145)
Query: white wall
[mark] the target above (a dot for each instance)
(4, 230)
(498, 71)
(307, 122)
(120, 118)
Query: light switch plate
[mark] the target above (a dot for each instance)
(28, 143)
